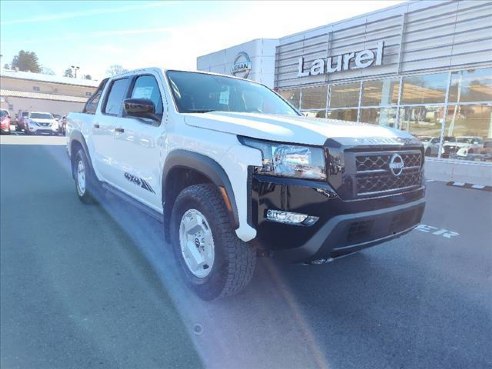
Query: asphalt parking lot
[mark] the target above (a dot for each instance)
(95, 286)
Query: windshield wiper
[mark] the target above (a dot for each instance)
(199, 110)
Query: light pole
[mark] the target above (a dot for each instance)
(75, 69)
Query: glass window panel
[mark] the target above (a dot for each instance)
(383, 116)
(345, 95)
(470, 120)
(471, 86)
(422, 121)
(146, 87)
(343, 114)
(424, 89)
(114, 101)
(314, 97)
(292, 96)
(381, 92)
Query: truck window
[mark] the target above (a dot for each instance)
(116, 95)
(146, 87)
(91, 104)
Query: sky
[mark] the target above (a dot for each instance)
(94, 35)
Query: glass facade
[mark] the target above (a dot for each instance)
(440, 108)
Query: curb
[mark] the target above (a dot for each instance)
(470, 185)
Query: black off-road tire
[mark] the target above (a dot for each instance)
(87, 195)
(235, 260)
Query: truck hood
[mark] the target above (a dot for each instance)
(310, 131)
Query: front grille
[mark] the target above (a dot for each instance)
(374, 183)
(371, 162)
(450, 149)
(373, 173)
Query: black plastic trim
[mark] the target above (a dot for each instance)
(123, 196)
(78, 137)
(207, 167)
(315, 246)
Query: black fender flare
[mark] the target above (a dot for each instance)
(205, 166)
(76, 136)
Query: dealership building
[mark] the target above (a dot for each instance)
(424, 67)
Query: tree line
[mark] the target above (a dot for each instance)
(28, 61)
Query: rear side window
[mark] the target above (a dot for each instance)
(146, 87)
(91, 104)
(116, 95)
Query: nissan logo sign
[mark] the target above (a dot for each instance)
(396, 164)
(242, 65)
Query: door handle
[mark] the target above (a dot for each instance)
(96, 125)
(119, 130)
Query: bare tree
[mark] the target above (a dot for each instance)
(115, 69)
(46, 70)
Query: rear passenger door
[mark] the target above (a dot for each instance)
(139, 145)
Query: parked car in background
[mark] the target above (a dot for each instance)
(473, 144)
(21, 121)
(41, 123)
(481, 154)
(4, 121)
(63, 125)
(431, 144)
(58, 119)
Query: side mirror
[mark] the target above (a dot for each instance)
(140, 108)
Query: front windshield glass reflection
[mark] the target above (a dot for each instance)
(202, 93)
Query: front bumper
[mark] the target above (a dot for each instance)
(344, 226)
(43, 130)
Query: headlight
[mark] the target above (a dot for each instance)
(286, 160)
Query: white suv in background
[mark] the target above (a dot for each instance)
(41, 123)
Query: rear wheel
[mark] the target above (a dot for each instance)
(84, 178)
(213, 261)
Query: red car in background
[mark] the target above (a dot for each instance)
(4, 121)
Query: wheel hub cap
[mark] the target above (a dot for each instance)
(196, 242)
(81, 178)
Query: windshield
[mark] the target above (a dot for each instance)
(202, 93)
(41, 116)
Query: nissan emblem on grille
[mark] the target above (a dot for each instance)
(396, 164)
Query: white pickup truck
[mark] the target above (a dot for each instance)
(234, 171)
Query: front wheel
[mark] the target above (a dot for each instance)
(213, 260)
